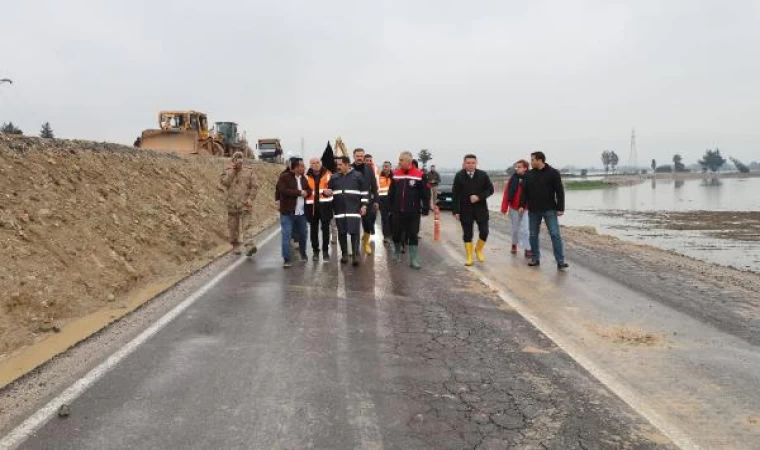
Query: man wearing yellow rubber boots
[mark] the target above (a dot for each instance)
(368, 220)
(471, 190)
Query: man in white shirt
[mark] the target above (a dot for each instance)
(300, 224)
(292, 190)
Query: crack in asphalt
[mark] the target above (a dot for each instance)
(462, 362)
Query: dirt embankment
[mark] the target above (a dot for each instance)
(83, 224)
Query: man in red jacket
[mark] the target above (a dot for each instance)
(409, 197)
(511, 203)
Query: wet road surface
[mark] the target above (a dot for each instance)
(330, 356)
(673, 345)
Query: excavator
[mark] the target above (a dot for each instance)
(340, 148)
(183, 132)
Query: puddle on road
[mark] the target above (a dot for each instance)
(536, 350)
(629, 336)
(753, 422)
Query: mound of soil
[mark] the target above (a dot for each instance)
(84, 223)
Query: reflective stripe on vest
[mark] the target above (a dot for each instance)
(322, 186)
(350, 192)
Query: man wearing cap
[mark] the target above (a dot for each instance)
(242, 189)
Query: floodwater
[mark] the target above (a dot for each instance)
(639, 214)
(666, 194)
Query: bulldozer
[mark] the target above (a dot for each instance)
(227, 134)
(184, 132)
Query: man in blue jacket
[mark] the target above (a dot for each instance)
(350, 193)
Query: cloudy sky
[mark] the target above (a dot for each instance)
(499, 78)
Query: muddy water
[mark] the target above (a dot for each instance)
(640, 214)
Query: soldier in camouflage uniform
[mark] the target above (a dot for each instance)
(241, 193)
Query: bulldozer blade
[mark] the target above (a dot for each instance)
(172, 141)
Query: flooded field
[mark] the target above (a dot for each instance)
(713, 219)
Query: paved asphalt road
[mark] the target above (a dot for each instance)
(323, 356)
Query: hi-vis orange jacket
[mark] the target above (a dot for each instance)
(317, 184)
(384, 184)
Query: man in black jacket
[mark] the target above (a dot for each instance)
(348, 189)
(471, 190)
(368, 220)
(409, 197)
(544, 196)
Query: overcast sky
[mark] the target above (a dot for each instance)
(498, 78)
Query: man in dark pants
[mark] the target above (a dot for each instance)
(292, 190)
(471, 190)
(433, 179)
(404, 238)
(294, 238)
(409, 197)
(368, 222)
(349, 191)
(383, 189)
(543, 191)
(319, 208)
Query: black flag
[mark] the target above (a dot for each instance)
(328, 159)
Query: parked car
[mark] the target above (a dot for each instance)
(445, 194)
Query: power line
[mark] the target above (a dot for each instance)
(633, 157)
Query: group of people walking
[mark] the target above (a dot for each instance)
(350, 196)
(530, 197)
(539, 193)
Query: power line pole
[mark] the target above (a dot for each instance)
(302, 146)
(633, 157)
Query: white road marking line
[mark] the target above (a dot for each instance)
(360, 408)
(31, 425)
(628, 395)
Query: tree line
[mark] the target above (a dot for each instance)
(711, 161)
(45, 132)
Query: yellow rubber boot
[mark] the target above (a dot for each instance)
(367, 247)
(468, 249)
(479, 251)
